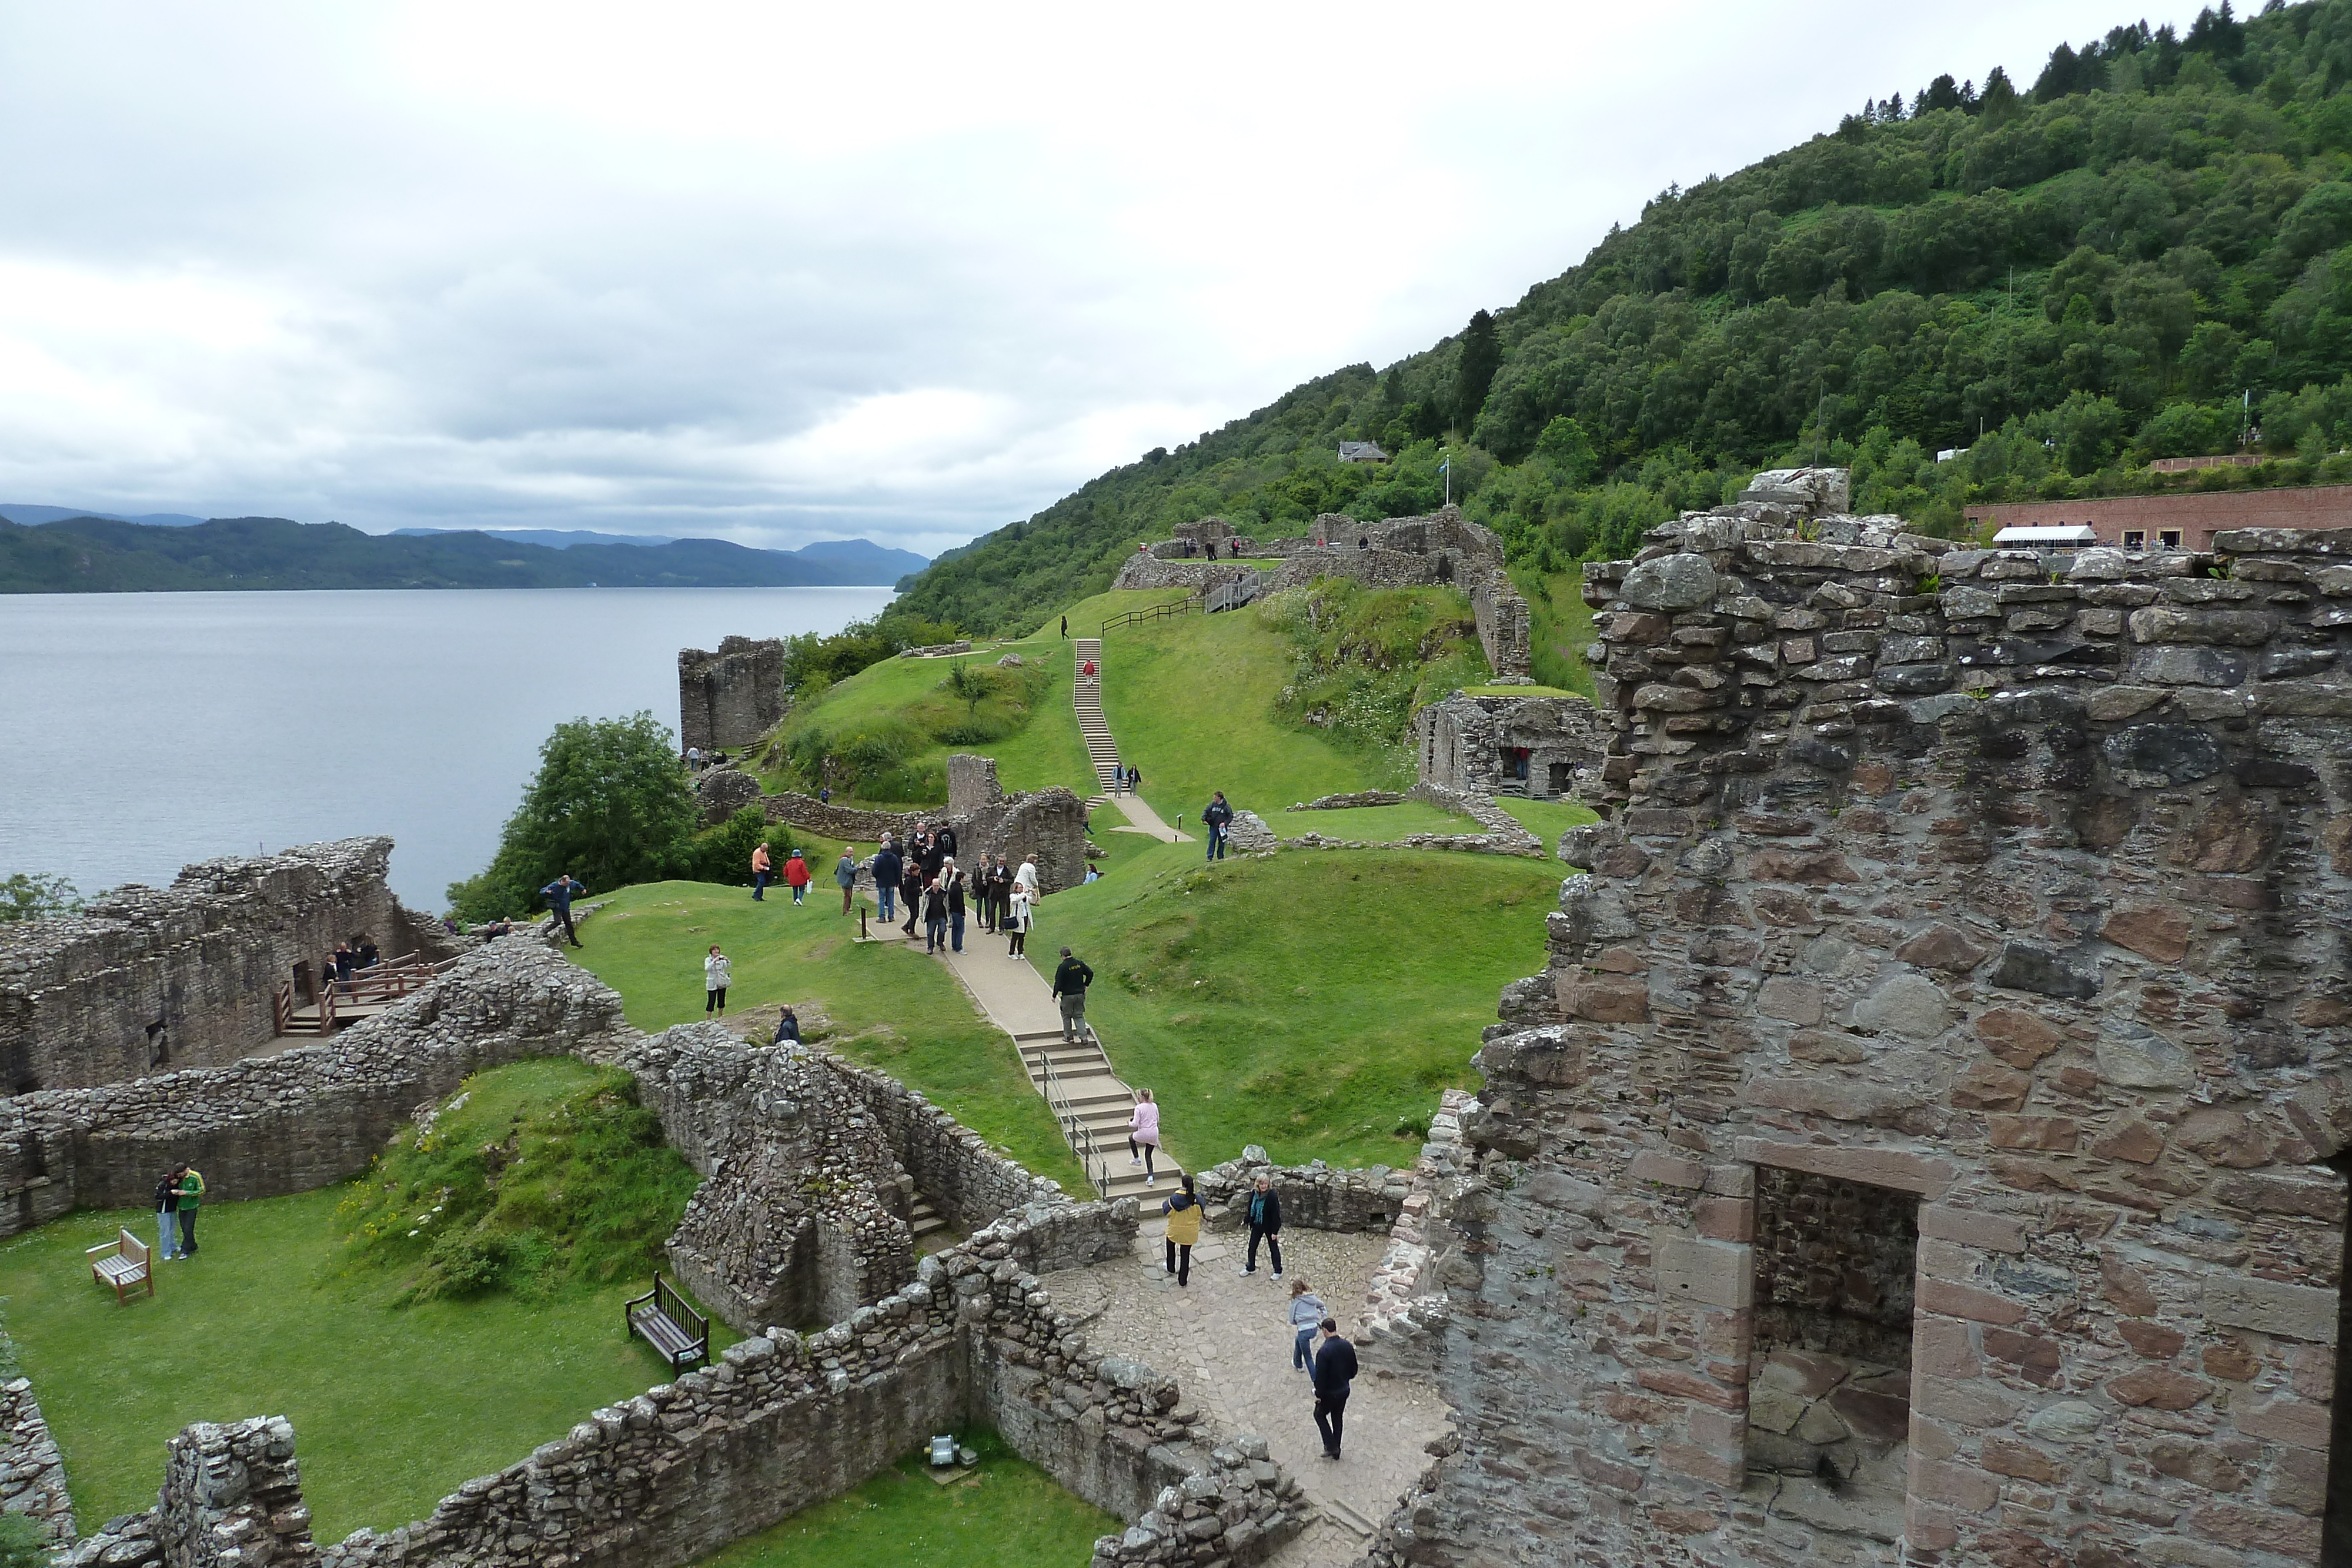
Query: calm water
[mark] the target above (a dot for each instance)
(141, 731)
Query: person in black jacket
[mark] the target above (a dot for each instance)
(1265, 1224)
(1071, 979)
(935, 915)
(955, 882)
(1219, 816)
(910, 884)
(1334, 1368)
(788, 1028)
(888, 869)
(946, 839)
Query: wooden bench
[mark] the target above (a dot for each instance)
(123, 1264)
(677, 1331)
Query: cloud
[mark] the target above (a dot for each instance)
(780, 274)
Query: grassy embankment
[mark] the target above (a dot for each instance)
(394, 1405)
(889, 1006)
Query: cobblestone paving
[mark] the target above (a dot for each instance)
(1227, 1340)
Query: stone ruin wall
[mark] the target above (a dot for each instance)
(2012, 892)
(146, 981)
(1459, 740)
(32, 1471)
(728, 699)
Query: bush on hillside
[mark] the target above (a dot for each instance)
(1367, 657)
(23, 1544)
(527, 1181)
(723, 854)
(882, 758)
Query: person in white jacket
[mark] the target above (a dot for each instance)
(716, 973)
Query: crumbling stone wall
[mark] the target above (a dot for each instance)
(232, 1498)
(729, 698)
(1467, 743)
(2023, 898)
(32, 1472)
(145, 981)
(271, 1125)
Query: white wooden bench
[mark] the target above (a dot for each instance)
(122, 1263)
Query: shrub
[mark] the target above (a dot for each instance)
(23, 1544)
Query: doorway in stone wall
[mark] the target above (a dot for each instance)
(1829, 1390)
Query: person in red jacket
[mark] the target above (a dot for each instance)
(796, 877)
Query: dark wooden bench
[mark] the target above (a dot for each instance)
(122, 1263)
(677, 1331)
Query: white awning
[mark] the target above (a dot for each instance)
(2058, 534)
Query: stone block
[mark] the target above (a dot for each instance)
(1666, 1170)
(1698, 1268)
(1899, 1168)
(1988, 1232)
(2269, 1306)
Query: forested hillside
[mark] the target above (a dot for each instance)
(2143, 255)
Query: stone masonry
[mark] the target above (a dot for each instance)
(1539, 746)
(1940, 1080)
(143, 981)
(728, 699)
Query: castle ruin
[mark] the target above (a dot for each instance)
(728, 699)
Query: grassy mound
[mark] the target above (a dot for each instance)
(1366, 658)
(535, 1177)
(1313, 1003)
(881, 1004)
(883, 735)
(1007, 1515)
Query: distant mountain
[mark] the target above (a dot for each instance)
(553, 539)
(32, 515)
(103, 555)
(882, 563)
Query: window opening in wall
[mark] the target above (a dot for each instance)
(1560, 780)
(2135, 539)
(2170, 537)
(1829, 1390)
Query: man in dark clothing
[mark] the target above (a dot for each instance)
(910, 885)
(935, 855)
(1264, 1225)
(1071, 979)
(952, 876)
(1066, 625)
(1334, 1368)
(343, 959)
(366, 952)
(558, 895)
(947, 841)
(1219, 816)
(887, 872)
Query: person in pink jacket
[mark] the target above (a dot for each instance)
(1143, 1135)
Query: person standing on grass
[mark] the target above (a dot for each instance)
(1184, 1212)
(558, 895)
(844, 871)
(761, 875)
(1143, 1134)
(1265, 1225)
(1219, 817)
(1306, 1316)
(957, 882)
(167, 1214)
(1335, 1369)
(797, 877)
(191, 1187)
(1066, 626)
(1071, 979)
(1018, 920)
(888, 869)
(717, 973)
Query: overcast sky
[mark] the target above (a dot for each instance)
(908, 273)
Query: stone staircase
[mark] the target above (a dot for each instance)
(930, 1230)
(1085, 695)
(1092, 1103)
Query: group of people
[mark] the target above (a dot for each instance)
(1331, 1366)
(941, 896)
(696, 760)
(349, 958)
(178, 1198)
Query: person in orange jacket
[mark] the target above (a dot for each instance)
(761, 873)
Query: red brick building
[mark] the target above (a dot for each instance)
(2186, 521)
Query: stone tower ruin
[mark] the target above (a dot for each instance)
(728, 699)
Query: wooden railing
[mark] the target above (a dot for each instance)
(377, 983)
(1192, 606)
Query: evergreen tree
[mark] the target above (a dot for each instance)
(1482, 356)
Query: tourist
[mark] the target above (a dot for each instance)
(825, 795)
(945, 837)
(1143, 1135)
(935, 853)
(910, 884)
(451, 924)
(1071, 979)
(761, 868)
(1265, 1224)
(1306, 1317)
(694, 760)
(716, 972)
(1134, 779)
(1092, 874)
(1016, 919)
(788, 1027)
(167, 1214)
(844, 871)
(935, 914)
(365, 953)
(1088, 669)
(954, 881)
(343, 960)
(1334, 1368)
(191, 1199)
(1027, 877)
(1065, 628)
(1184, 1212)
(886, 870)
(558, 895)
(1219, 817)
(796, 877)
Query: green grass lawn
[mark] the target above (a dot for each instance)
(1307, 1002)
(393, 1406)
(1547, 820)
(1371, 822)
(1190, 702)
(1007, 1515)
(1560, 628)
(892, 1007)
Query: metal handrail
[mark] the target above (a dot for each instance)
(1172, 609)
(1075, 1132)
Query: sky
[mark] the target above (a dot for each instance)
(778, 274)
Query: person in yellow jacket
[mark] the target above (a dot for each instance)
(1184, 1212)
